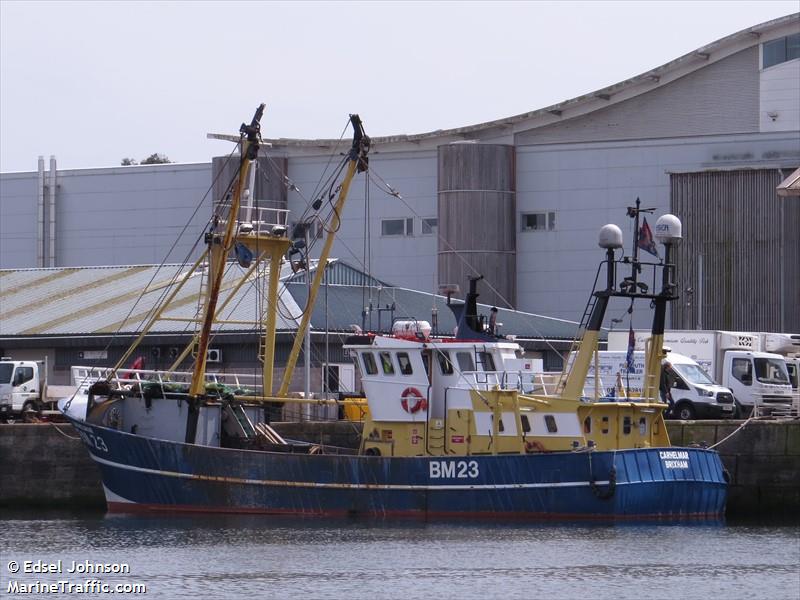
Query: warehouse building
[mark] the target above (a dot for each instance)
(89, 316)
(708, 136)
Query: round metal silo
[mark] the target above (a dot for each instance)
(477, 218)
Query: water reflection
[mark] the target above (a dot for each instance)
(223, 556)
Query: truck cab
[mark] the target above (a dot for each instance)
(20, 386)
(759, 380)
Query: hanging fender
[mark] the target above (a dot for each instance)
(413, 401)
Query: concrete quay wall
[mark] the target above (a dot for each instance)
(763, 459)
(46, 465)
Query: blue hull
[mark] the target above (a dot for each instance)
(148, 474)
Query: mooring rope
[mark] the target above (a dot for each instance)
(734, 432)
(66, 435)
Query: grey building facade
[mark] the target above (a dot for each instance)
(520, 200)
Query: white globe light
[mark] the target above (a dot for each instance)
(610, 237)
(668, 229)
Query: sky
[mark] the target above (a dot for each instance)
(94, 82)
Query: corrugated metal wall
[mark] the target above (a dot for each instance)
(748, 238)
(477, 219)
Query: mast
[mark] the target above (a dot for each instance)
(668, 232)
(264, 236)
(357, 163)
(219, 244)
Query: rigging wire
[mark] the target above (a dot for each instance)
(172, 248)
(394, 193)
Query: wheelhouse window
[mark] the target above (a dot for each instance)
(550, 422)
(464, 360)
(780, 51)
(626, 425)
(386, 363)
(370, 367)
(444, 362)
(500, 427)
(538, 221)
(397, 227)
(405, 363)
(487, 360)
(526, 424)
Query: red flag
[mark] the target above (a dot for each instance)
(646, 241)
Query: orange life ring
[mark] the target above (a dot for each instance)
(419, 402)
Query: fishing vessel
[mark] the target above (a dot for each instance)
(457, 426)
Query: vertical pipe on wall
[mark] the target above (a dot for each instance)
(699, 291)
(52, 214)
(40, 215)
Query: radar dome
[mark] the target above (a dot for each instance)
(668, 229)
(610, 237)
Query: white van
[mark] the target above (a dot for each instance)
(694, 395)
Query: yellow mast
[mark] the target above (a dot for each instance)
(220, 245)
(357, 162)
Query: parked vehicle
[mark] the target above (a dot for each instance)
(692, 392)
(788, 346)
(23, 387)
(759, 380)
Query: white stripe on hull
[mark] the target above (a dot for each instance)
(356, 486)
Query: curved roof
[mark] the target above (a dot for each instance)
(601, 98)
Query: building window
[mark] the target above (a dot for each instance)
(781, 50)
(429, 226)
(399, 227)
(539, 221)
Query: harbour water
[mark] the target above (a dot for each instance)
(203, 556)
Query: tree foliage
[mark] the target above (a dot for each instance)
(153, 159)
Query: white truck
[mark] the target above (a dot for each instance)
(788, 346)
(759, 380)
(23, 387)
(694, 395)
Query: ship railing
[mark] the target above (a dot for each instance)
(525, 382)
(260, 221)
(83, 377)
